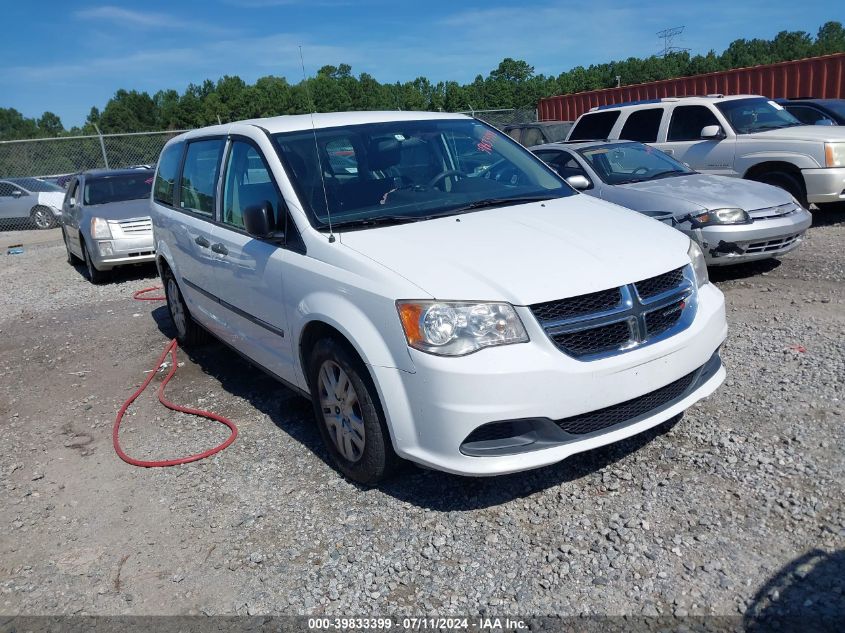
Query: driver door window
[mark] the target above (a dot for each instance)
(248, 182)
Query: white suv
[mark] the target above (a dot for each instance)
(743, 135)
(438, 292)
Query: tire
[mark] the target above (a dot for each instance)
(188, 332)
(95, 276)
(72, 259)
(43, 218)
(349, 414)
(788, 182)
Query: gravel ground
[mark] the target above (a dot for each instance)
(736, 509)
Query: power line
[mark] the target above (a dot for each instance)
(668, 36)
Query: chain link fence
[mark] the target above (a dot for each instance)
(502, 118)
(34, 173)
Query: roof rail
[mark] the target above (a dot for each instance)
(611, 106)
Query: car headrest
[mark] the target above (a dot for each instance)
(383, 153)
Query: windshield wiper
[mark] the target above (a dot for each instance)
(496, 202)
(666, 174)
(382, 220)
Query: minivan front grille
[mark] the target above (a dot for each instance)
(661, 283)
(576, 306)
(593, 421)
(608, 322)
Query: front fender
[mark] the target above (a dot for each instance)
(747, 160)
(381, 344)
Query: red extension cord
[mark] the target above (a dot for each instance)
(171, 348)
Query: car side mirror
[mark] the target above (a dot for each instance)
(258, 219)
(17, 193)
(824, 122)
(71, 202)
(578, 182)
(713, 132)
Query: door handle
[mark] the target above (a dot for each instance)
(202, 241)
(219, 249)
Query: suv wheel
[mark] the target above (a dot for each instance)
(188, 333)
(349, 414)
(788, 182)
(95, 276)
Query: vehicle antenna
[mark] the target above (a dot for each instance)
(316, 145)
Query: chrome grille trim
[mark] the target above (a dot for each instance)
(632, 310)
(773, 212)
(133, 226)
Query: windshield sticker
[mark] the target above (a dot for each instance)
(776, 105)
(486, 142)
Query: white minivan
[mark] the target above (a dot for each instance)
(438, 292)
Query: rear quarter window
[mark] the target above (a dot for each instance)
(168, 170)
(594, 126)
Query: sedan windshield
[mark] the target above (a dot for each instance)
(106, 189)
(36, 185)
(747, 116)
(406, 171)
(624, 163)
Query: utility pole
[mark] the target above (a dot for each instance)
(668, 36)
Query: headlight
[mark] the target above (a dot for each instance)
(100, 229)
(699, 266)
(720, 216)
(834, 154)
(452, 328)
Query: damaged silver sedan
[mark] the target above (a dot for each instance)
(733, 220)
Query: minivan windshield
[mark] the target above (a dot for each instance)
(406, 171)
(624, 163)
(117, 188)
(747, 116)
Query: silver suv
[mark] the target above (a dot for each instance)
(744, 136)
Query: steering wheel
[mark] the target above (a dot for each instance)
(444, 174)
(640, 171)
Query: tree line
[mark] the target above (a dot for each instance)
(512, 84)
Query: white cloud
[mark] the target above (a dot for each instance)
(143, 19)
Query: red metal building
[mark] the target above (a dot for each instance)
(819, 77)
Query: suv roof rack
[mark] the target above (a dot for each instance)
(611, 106)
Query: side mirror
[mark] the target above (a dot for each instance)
(258, 219)
(824, 122)
(17, 193)
(712, 132)
(578, 182)
(71, 202)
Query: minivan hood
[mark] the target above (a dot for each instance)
(123, 210)
(803, 133)
(526, 253)
(711, 192)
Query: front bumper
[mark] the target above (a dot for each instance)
(762, 239)
(825, 184)
(432, 412)
(108, 254)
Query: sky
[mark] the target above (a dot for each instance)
(68, 55)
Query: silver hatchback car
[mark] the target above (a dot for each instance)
(106, 220)
(732, 220)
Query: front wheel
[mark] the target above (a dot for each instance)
(349, 414)
(790, 183)
(95, 276)
(43, 218)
